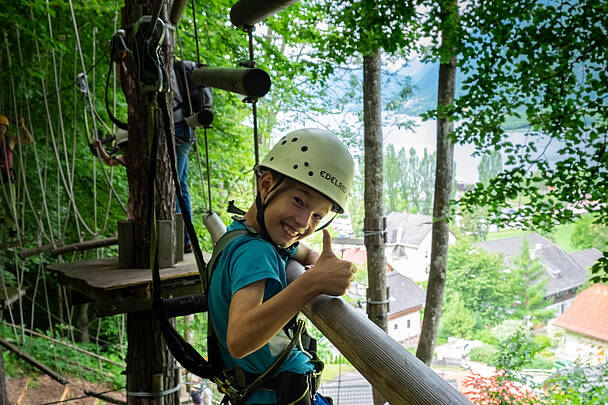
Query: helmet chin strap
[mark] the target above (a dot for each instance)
(261, 209)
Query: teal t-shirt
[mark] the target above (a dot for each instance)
(243, 262)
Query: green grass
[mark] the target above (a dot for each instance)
(507, 233)
(561, 237)
(332, 371)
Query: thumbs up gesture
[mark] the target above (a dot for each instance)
(335, 274)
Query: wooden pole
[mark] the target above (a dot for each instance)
(33, 362)
(86, 245)
(25, 253)
(390, 368)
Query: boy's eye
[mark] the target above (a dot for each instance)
(317, 217)
(298, 201)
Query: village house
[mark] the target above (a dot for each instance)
(408, 244)
(586, 326)
(565, 275)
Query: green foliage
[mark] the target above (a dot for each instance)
(528, 280)
(516, 352)
(456, 319)
(589, 233)
(478, 278)
(474, 223)
(489, 166)
(409, 181)
(577, 384)
(61, 359)
(483, 354)
(523, 64)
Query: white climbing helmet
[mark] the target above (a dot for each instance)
(317, 159)
(122, 136)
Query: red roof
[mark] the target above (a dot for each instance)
(588, 313)
(355, 255)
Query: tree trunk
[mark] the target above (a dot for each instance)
(441, 207)
(82, 323)
(147, 355)
(3, 396)
(374, 240)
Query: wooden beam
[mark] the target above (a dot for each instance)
(25, 253)
(389, 367)
(89, 244)
(33, 362)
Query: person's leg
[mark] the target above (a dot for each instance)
(182, 151)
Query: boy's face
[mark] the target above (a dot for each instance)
(294, 211)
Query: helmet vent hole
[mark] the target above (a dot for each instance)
(306, 164)
(294, 139)
(304, 148)
(271, 158)
(295, 166)
(284, 142)
(310, 173)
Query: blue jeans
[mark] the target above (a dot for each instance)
(182, 150)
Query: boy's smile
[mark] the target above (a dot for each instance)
(294, 212)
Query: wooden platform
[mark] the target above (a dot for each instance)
(116, 291)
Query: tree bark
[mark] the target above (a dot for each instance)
(82, 323)
(3, 396)
(147, 353)
(374, 240)
(441, 206)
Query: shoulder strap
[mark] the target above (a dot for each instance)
(217, 251)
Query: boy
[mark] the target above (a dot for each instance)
(306, 175)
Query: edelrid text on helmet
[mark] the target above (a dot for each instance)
(317, 159)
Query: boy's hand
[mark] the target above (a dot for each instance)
(335, 274)
(21, 122)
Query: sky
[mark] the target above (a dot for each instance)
(421, 136)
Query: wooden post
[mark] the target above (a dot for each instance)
(147, 352)
(125, 244)
(179, 237)
(166, 243)
(157, 384)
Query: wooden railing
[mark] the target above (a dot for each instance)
(392, 370)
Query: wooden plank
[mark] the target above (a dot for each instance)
(105, 274)
(9, 295)
(66, 393)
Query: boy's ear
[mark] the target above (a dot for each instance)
(265, 183)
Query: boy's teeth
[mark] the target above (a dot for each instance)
(289, 231)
